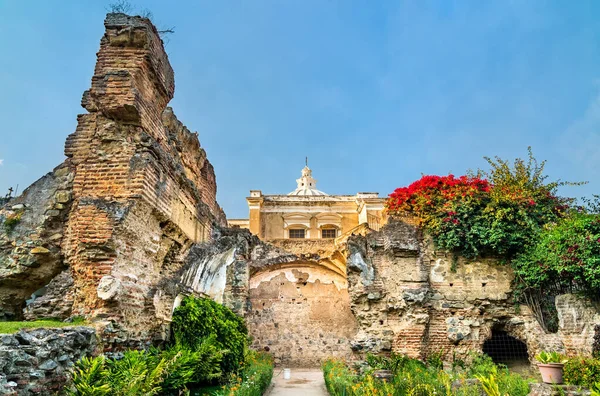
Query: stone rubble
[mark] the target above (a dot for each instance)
(37, 361)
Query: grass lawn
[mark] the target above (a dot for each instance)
(13, 327)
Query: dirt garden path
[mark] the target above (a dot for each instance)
(303, 382)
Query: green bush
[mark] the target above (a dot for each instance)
(199, 318)
(138, 373)
(339, 379)
(567, 254)
(254, 378)
(146, 372)
(394, 362)
(481, 364)
(582, 371)
(90, 378)
(205, 334)
(192, 367)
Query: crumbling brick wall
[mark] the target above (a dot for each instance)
(300, 313)
(410, 298)
(138, 192)
(143, 189)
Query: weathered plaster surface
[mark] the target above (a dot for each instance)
(301, 315)
(409, 298)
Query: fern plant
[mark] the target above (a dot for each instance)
(89, 378)
(138, 373)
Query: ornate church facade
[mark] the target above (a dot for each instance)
(310, 214)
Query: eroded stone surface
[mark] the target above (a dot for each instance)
(37, 361)
(30, 249)
(123, 211)
(539, 389)
(411, 299)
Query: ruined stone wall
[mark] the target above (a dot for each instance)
(38, 361)
(143, 190)
(134, 195)
(300, 313)
(31, 233)
(411, 299)
(296, 306)
(578, 323)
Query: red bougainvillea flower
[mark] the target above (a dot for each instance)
(433, 190)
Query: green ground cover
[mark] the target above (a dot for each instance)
(413, 377)
(13, 327)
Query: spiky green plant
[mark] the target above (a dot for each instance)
(89, 378)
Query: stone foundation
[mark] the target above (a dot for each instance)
(557, 390)
(37, 361)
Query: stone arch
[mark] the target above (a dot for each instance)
(300, 313)
(505, 347)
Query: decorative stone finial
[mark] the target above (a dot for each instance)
(307, 185)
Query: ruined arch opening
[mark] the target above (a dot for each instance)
(300, 312)
(506, 349)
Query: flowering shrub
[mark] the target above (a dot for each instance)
(495, 212)
(512, 211)
(448, 207)
(582, 371)
(430, 194)
(254, 378)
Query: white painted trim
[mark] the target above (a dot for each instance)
(328, 214)
(306, 209)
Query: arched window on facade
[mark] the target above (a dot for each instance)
(296, 225)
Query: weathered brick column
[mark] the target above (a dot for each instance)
(143, 190)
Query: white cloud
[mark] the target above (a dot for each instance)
(1, 162)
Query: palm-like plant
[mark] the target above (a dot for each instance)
(89, 378)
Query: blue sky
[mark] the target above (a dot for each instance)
(373, 92)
